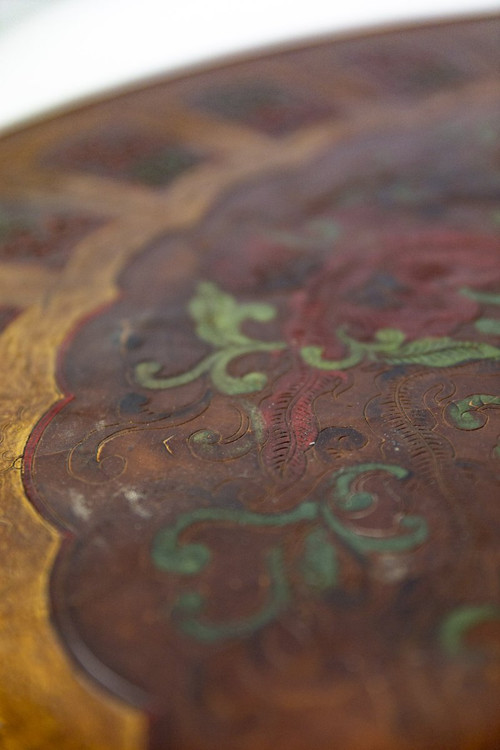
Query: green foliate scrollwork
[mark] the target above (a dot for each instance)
(313, 355)
(441, 352)
(466, 414)
(209, 445)
(318, 565)
(171, 555)
(414, 533)
(218, 319)
(191, 605)
(346, 497)
(146, 372)
(386, 340)
(389, 346)
(218, 316)
(412, 530)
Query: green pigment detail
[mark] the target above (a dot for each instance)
(192, 604)
(486, 298)
(145, 373)
(456, 625)
(386, 341)
(319, 565)
(356, 501)
(190, 559)
(441, 352)
(488, 326)
(414, 527)
(218, 319)
(256, 420)
(211, 446)
(218, 316)
(464, 413)
(313, 356)
(388, 346)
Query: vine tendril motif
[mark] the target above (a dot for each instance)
(390, 346)
(467, 414)
(218, 318)
(191, 606)
(171, 556)
(318, 565)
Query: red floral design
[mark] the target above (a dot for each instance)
(413, 284)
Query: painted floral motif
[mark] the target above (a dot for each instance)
(318, 561)
(219, 318)
(274, 459)
(420, 282)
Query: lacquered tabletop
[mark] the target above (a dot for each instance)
(249, 406)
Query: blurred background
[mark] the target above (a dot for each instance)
(57, 52)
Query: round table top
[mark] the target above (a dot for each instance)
(249, 401)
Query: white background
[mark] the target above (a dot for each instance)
(55, 52)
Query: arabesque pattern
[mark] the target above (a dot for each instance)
(250, 433)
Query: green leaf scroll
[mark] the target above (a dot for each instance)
(467, 414)
(218, 316)
(441, 352)
(174, 552)
(218, 319)
(389, 346)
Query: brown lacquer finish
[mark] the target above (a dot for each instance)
(250, 358)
